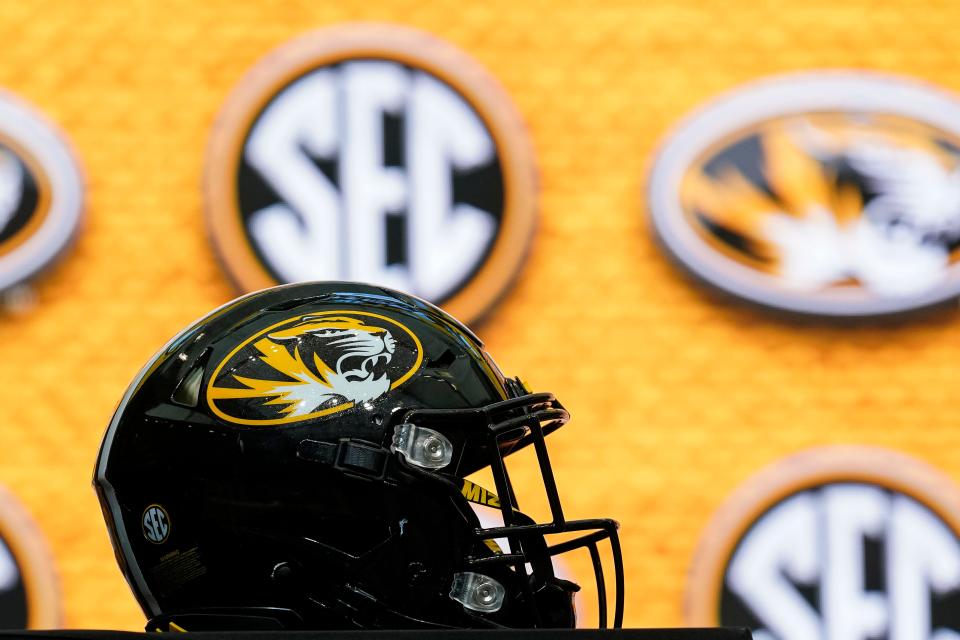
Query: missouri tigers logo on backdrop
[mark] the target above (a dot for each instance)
(841, 543)
(836, 194)
(40, 194)
(311, 366)
(378, 154)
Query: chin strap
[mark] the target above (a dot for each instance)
(355, 457)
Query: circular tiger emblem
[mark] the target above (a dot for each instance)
(311, 366)
(834, 194)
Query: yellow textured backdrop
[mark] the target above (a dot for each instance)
(677, 394)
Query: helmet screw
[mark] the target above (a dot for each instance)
(486, 594)
(434, 448)
(282, 572)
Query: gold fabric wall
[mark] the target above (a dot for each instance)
(678, 394)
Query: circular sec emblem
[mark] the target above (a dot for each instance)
(156, 524)
(41, 193)
(834, 194)
(834, 543)
(372, 153)
(29, 587)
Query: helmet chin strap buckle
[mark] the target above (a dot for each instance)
(355, 457)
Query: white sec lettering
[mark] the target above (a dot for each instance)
(319, 232)
(817, 538)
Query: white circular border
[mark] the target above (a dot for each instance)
(20, 122)
(791, 94)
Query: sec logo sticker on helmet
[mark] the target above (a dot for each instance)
(834, 543)
(29, 587)
(832, 193)
(41, 193)
(377, 153)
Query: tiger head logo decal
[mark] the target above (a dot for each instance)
(835, 194)
(313, 365)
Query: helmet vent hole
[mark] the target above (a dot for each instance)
(187, 392)
(444, 360)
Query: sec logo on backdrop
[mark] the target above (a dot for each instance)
(41, 193)
(827, 193)
(838, 543)
(372, 153)
(29, 588)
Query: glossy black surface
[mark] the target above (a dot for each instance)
(315, 523)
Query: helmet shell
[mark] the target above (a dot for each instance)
(216, 499)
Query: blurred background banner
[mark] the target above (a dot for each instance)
(833, 542)
(678, 393)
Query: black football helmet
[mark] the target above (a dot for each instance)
(297, 459)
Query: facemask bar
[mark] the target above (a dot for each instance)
(510, 425)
